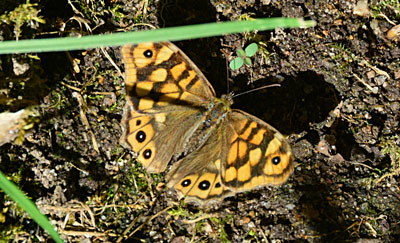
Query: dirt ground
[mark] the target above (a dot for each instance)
(338, 104)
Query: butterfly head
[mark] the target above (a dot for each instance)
(227, 99)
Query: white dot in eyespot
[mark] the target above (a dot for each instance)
(204, 185)
(276, 160)
(148, 53)
(186, 183)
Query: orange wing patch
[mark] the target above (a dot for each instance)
(144, 88)
(258, 137)
(230, 174)
(178, 70)
(255, 156)
(164, 54)
(245, 135)
(159, 75)
(244, 172)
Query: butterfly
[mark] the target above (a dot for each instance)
(173, 114)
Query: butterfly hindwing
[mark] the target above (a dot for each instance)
(254, 153)
(197, 176)
(147, 135)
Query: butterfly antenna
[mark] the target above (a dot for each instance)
(252, 90)
(227, 69)
(227, 77)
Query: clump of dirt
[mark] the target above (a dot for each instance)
(338, 103)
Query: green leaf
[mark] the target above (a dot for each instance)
(236, 63)
(247, 61)
(252, 233)
(240, 52)
(26, 204)
(251, 49)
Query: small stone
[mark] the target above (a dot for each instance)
(246, 220)
(394, 33)
(290, 206)
(370, 74)
(361, 8)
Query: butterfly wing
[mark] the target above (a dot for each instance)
(197, 176)
(253, 154)
(166, 98)
(242, 153)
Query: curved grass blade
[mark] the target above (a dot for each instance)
(170, 34)
(26, 204)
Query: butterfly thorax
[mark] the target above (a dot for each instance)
(215, 113)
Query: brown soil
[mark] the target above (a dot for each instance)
(338, 103)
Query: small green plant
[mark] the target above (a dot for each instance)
(243, 56)
(221, 222)
(24, 14)
(393, 6)
(180, 212)
(390, 146)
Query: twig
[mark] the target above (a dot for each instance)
(373, 90)
(78, 96)
(193, 221)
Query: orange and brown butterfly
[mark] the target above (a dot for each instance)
(172, 113)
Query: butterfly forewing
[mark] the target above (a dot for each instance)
(166, 99)
(158, 75)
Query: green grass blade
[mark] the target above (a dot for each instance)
(171, 34)
(26, 204)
